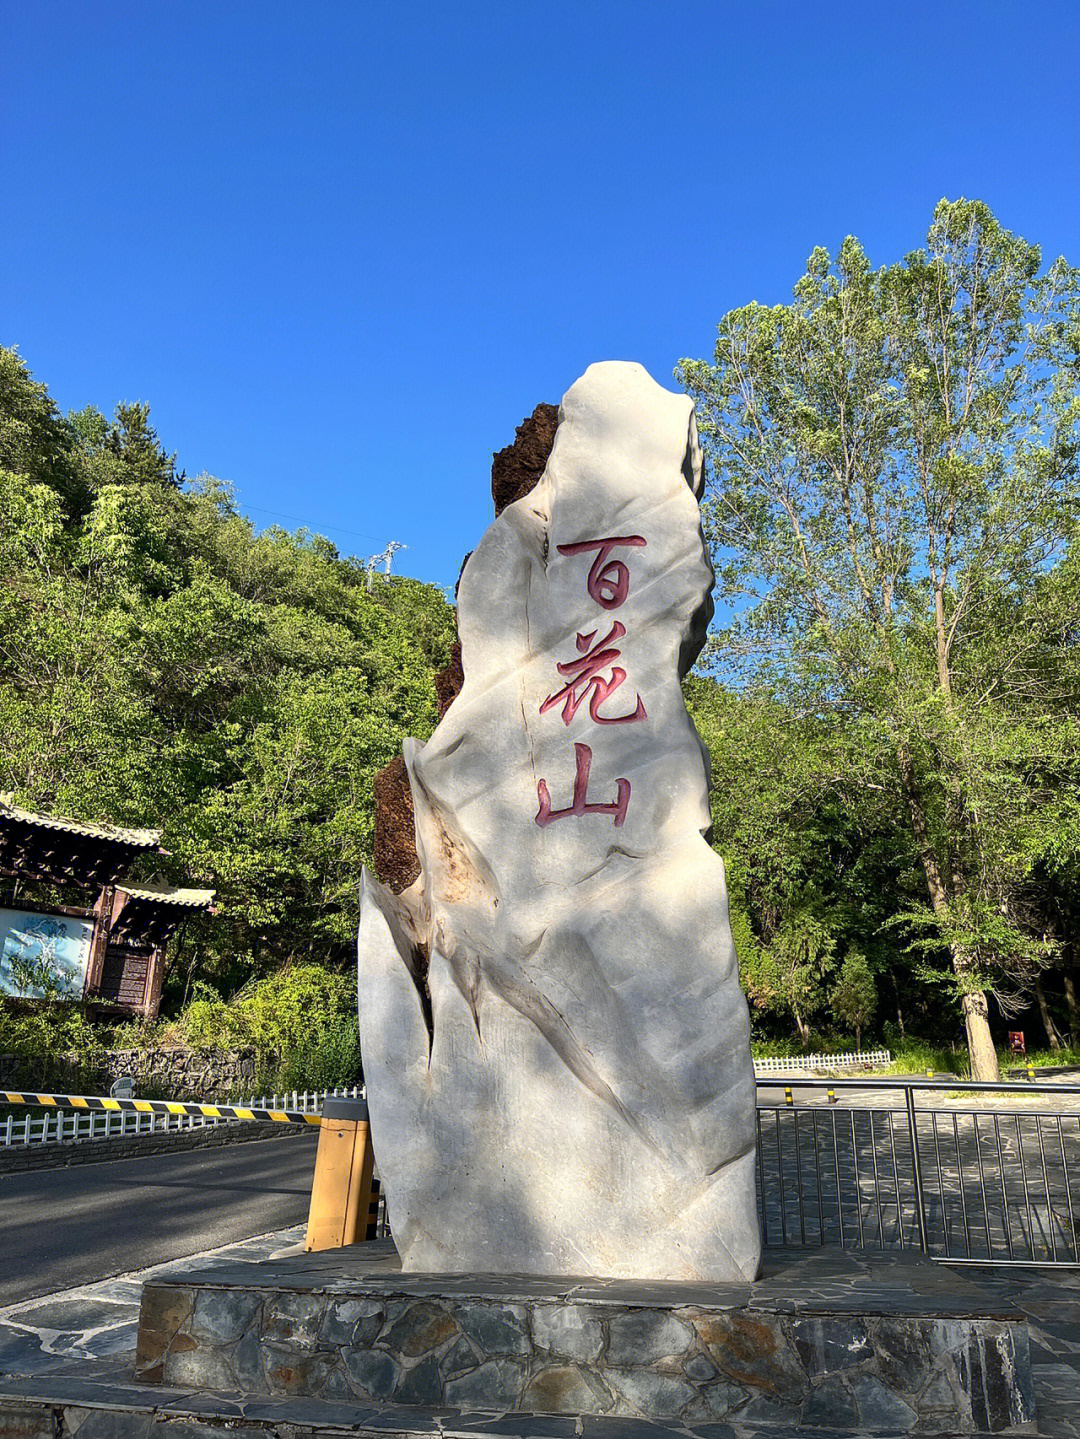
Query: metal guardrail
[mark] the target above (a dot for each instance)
(963, 1185)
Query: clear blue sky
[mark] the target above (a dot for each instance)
(343, 248)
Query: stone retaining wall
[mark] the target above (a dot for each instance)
(186, 1073)
(657, 1352)
(176, 1073)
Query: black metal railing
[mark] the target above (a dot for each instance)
(867, 1166)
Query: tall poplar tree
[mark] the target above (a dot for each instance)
(893, 490)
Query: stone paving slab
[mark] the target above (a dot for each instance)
(37, 1410)
(1050, 1298)
(100, 1321)
(830, 1281)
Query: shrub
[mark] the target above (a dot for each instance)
(916, 1056)
(301, 1022)
(54, 1044)
(139, 1034)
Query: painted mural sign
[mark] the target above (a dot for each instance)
(43, 956)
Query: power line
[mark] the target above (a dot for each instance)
(338, 529)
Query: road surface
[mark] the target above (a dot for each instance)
(64, 1227)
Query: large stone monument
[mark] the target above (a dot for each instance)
(555, 1044)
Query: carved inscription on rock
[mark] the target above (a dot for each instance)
(594, 677)
(554, 1040)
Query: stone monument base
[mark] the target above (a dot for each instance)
(826, 1340)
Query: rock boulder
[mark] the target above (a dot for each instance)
(554, 1039)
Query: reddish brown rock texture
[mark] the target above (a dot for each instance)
(517, 469)
(395, 837)
(514, 472)
(448, 682)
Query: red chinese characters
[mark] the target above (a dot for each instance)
(580, 805)
(609, 580)
(582, 676)
(608, 583)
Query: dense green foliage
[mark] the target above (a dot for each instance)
(298, 1023)
(890, 704)
(893, 504)
(301, 1023)
(52, 1044)
(161, 664)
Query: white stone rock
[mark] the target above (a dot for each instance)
(570, 1091)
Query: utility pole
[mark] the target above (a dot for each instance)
(385, 557)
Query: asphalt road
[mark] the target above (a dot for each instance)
(63, 1227)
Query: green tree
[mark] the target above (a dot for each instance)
(163, 664)
(126, 451)
(36, 443)
(853, 997)
(799, 808)
(789, 974)
(893, 483)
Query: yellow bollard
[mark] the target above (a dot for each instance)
(787, 1095)
(832, 1096)
(341, 1192)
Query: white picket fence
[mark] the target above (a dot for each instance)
(861, 1059)
(306, 1101)
(68, 1126)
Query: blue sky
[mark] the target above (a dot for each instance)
(342, 249)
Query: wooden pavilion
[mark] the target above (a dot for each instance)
(108, 951)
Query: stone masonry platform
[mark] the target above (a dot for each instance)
(825, 1340)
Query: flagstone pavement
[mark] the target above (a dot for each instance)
(82, 1341)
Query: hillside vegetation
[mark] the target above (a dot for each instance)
(162, 664)
(893, 505)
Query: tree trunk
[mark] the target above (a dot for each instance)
(981, 1051)
(1074, 1010)
(899, 1011)
(1052, 1035)
(984, 1060)
(803, 1028)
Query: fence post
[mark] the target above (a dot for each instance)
(916, 1164)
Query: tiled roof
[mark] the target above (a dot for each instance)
(169, 894)
(143, 838)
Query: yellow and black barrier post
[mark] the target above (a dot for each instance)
(342, 1192)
